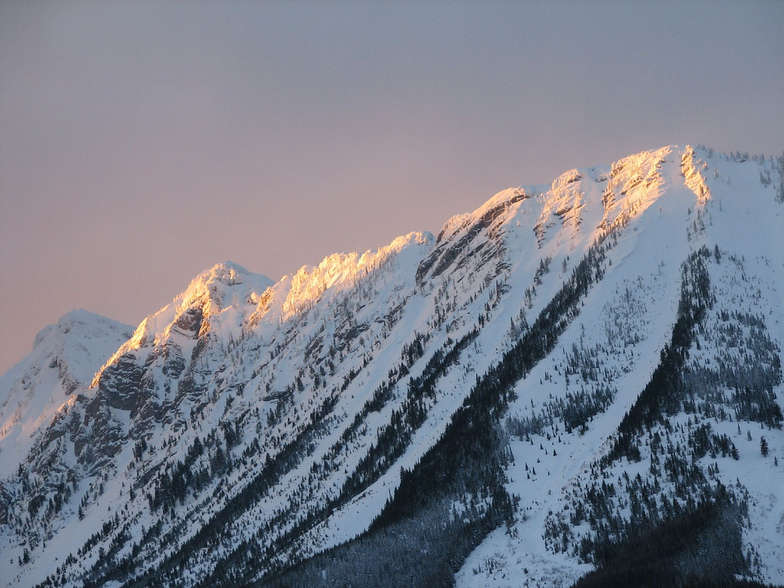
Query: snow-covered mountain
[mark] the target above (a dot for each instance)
(579, 380)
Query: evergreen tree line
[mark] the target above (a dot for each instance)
(676, 386)
(662, 396)
(394, 438)
(575, 409)
(699, 548)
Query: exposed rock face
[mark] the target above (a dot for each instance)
(119, 382)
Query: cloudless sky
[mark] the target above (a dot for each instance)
(143, 142)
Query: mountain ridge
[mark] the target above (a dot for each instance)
(249, 426)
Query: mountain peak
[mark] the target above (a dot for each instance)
(80, 319)
(216, 282)
(226, 272)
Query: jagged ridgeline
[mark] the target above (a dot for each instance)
(577, 383)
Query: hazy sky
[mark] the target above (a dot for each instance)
(143, 142)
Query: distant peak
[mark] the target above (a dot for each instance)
(80, 315)
(77, 317)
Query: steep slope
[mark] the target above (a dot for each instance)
(490, 394)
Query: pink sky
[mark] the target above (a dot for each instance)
(142, 142)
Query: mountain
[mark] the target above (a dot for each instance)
(577, 383)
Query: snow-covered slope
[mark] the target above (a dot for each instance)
(491, 394)
(715, 223)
